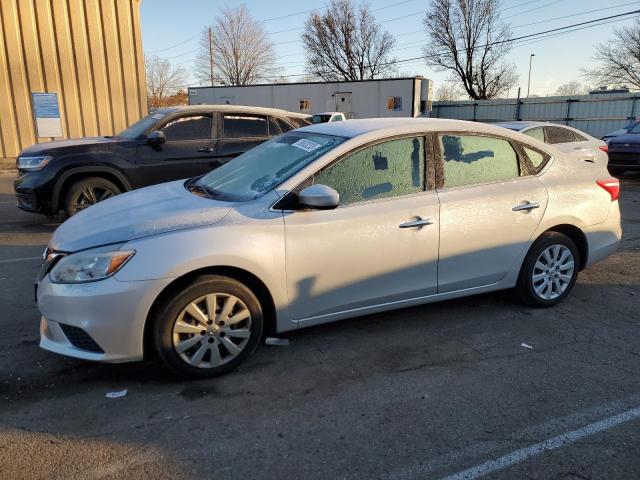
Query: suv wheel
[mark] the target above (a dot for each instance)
(208, 328)
(549, 271)
(87, 192)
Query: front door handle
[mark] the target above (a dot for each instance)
(416, 223)
(206, 150)
(525, 206)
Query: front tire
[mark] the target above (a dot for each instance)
(208, 328)
(86, 192)
(549, 270)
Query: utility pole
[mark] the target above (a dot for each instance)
(211, 57)
(529, 82)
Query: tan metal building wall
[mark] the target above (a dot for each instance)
(89, 52)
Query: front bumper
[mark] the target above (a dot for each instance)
(34, 191)
(624, 160)
(110, 312)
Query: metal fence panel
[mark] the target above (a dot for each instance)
(596, 114)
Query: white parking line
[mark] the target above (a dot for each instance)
(542, 447)
(23, 259)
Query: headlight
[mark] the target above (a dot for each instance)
(91, 265)
(33, 163)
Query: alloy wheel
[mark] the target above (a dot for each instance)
(212, 330)
(91, 195)
(553, 271)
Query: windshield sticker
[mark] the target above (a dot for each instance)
(306, 145)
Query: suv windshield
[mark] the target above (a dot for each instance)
(142, 125)
(266, 166)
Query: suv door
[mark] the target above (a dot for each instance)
(489, 209)
(380, 246)
(187, 152)
(240, 132)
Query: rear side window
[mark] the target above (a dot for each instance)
(578, 137)
(537, 158)
(194, 127)
(536, 133)
(238, 126)
(388, 169)
(471, 159)
(559, 135)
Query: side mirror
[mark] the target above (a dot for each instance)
(319, 197)
(156, 138)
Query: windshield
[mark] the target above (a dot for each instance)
(142, 125)
(635, 129)
(266, 166)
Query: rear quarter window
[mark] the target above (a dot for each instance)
(537, 159)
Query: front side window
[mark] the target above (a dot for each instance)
(536, 133)
(239, 126)
(559, 135)
(387, 169)
(266, 166)
(473, 159)
(194, 127)
(136, 130)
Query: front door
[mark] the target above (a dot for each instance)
(378, 247)
(189, 150)
(489, 210)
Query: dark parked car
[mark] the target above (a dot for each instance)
(623, 131)
(624, 152)
(169, 144)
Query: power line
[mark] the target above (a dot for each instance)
(175, 45)
(533, 9)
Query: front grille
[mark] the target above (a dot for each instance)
(80, 339)
(624, 158)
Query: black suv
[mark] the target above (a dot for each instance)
(169, 144)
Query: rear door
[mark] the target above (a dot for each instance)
(490, 207)
(240, 132)
(187, 152)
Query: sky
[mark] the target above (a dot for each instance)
(170, 29)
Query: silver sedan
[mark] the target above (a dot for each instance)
(323, 223)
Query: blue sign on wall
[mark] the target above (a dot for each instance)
(47, 113)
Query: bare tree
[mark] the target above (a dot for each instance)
(163, 80)
(572, 88)
(235, 50)
(346, 43)
(449, 91)
(466, 38)
(619, 59)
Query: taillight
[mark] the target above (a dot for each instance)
(612, 186)
(604, 148)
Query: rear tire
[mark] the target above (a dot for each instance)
(208, 328)
(549, 270)
(86, 192)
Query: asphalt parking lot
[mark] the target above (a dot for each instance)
(442, 390)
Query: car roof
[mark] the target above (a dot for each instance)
(390, 126)
(234, 109)
(327, 113)
(522, 124)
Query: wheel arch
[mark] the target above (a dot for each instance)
(74, 174)
(578, 237)
(254, 283)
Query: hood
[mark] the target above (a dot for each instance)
(140, 213)
(616, 133)
(44, 148)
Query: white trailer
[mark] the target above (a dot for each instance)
(393, 97)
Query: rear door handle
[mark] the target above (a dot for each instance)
(416, 223)
(206, 150)
(525, 206)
